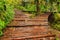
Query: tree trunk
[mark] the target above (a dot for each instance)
(37, 6)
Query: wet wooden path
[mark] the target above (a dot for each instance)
(24, 28)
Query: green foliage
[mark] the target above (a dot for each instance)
(6, 13)
(28, 7)
(44, 6)
(56, 23)
(57, 38)
(57, 16)
(2, 24)
(51, 6)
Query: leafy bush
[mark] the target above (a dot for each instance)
(56, 23)
(6, 13)
(28, 7)
(56, 15)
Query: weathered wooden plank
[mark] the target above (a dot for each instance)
(17, 23)
(37, 36)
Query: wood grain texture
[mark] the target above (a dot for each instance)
(25, 28)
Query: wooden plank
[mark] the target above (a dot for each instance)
(19, 19)
(37, 36)
(17, 23)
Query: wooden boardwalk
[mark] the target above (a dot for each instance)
(24, 28)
